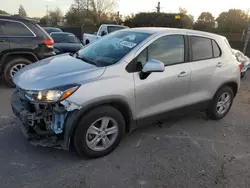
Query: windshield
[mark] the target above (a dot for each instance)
(111, 48)
(64, 38)
(114, 28)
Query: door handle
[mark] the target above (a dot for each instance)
(182, 74)
(1, 40)
(219, 64)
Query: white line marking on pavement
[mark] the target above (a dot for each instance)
(17, 164)
(215, 151)
(5, 117)
(185, 137)
(139, 142)
(196, 143)
(242, 156)
(5, 127)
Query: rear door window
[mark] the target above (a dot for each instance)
(201, 48)
(16, 29)
(216, 49)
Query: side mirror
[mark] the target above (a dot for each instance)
(151, 66)
(103, 33)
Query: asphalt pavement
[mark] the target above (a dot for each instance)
(185, 151)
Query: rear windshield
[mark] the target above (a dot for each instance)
(50, 30)
(114, 28)
(64, 38)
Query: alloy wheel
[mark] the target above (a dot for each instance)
(102, 134)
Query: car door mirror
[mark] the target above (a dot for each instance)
(103, 33)
(153, 65)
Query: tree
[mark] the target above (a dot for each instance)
(102, 8)
(90, 11)
(187, 19)
(21, 11)
(44, 21)
(55, 16)
(233, 21)
(205, 22)
(3, 12)
(154, 19)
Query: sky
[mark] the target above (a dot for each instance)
(37, 8)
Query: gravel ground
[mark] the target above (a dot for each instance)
(186, 151)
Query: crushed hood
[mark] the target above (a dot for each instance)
(56, 71)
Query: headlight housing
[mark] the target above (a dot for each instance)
(51, 95)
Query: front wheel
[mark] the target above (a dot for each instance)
(99, 132)
(221, 103)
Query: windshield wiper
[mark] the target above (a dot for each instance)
(85, 59)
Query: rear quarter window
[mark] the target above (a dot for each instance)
(16, 29)
(216, 49)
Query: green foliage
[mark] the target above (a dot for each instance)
(205, 22)
(44, 21)
(154, 19)
(90, 12)
(55, 16)
(233, 21)
(187, 19)
(3, 12)
(22, 11)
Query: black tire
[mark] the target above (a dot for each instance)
(10, 65)
(84, 124)
(242, 75)
(212, 109)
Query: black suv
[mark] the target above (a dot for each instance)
(22, 41)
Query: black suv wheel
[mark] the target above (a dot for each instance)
(12, 67)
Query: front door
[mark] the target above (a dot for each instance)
(161, 92)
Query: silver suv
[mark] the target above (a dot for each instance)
(129, 78)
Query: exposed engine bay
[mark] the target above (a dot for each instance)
(47, 119)
(43, 123)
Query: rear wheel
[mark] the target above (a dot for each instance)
(221, 103)
(12, 67)
(99, 132)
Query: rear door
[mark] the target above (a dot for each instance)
(161, 92)
(205, 59)
(4, 42)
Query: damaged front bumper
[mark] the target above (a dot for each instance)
(44, 124)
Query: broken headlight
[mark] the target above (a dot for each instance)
(51, 95)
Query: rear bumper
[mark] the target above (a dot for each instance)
(48, 54)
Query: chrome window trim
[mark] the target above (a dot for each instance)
(15, 21)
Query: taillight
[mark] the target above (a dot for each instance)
(49, 43)
(240, 66)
